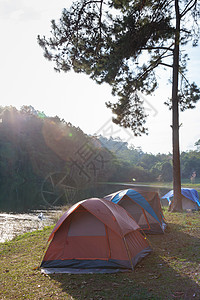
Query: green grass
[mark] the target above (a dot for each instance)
(172, 271)
(184, 184)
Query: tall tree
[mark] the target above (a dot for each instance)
(123, 43)
(197, 144)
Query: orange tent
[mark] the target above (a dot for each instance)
(94, 235)
(143, 206)
(152, 197)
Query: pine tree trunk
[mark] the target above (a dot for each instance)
(177, 199)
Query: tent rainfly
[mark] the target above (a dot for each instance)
(190, 198)
(94, 236)
(152, 197)
(140, 209)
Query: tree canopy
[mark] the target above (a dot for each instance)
(124, 43)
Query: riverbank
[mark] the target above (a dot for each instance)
(14, 224)
(172, 271)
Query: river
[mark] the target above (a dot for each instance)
(12, 224)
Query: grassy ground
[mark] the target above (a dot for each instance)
(172, 271)
(157, 184)
(184, 184)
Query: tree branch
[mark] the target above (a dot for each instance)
(161, 5)
(166, 56)
(188, 7)
(157, 48)
(80, 12)
(166, 65)
(185, 78)
(100, 16)
(155, 64)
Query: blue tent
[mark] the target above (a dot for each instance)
(190, 194)
(139, 208)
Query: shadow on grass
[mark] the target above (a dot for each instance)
(172, 271)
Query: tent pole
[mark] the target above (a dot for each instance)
(146, 218)
(128, 252)
(108, 241)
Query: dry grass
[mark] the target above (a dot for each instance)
(172, 271)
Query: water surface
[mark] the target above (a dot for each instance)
(12, 224)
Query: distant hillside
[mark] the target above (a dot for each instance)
(41, 154)
(157, 167)
(46, 161)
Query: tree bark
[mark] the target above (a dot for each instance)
(177, 199)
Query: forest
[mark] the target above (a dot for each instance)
(46, 161)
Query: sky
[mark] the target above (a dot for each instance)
(27, 78)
